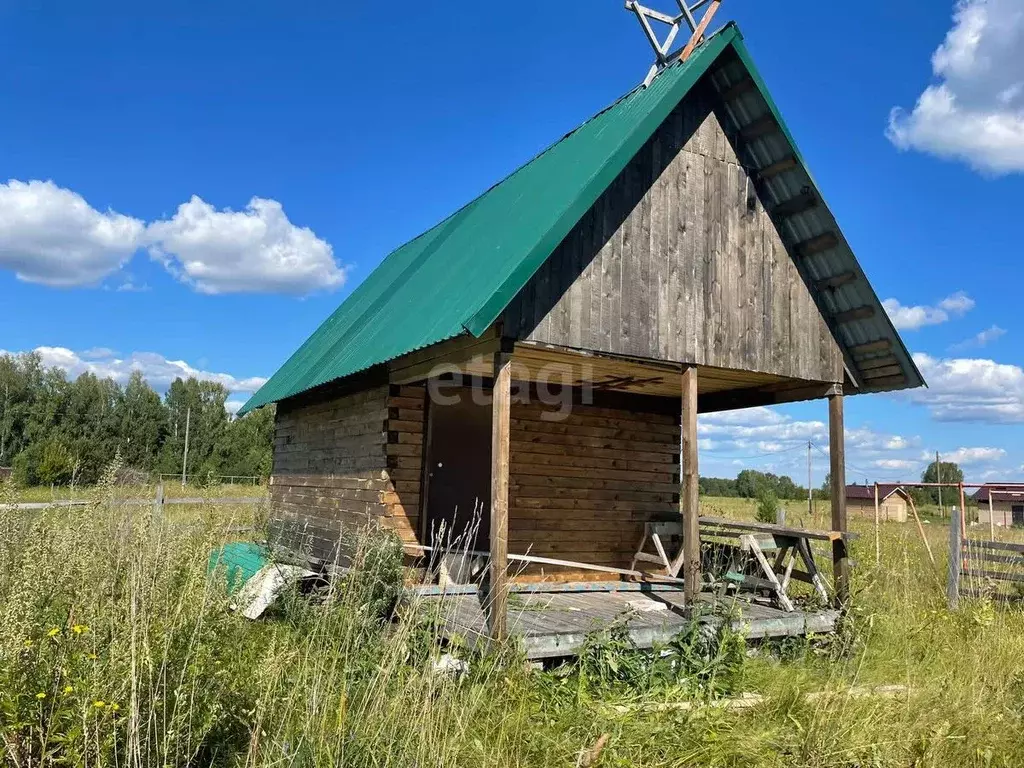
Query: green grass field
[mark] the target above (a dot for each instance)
(116, 648)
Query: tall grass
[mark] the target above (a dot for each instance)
(118, 648)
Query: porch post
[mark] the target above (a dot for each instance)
(837, 469)
(498, 611)
(689, 490)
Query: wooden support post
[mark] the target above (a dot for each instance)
(498, 611)
(963, 510)
(920, 529)
(955, 561)
(837, 469)
(991, 519)
(878, 541)
(689, 492)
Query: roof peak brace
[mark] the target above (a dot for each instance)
(664, 55)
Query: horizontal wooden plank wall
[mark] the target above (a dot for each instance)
(343, 463)
(581, 488)
(678, 260)
(406, 430)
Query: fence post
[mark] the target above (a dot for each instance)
(158, 504)
(955, 560)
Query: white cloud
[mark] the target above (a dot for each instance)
(896, 443)
(255, 250)
(981, 339)
(901, 465)
(52, 236)
(157, 369)
(970, 456)
(975, 112)
(971, 389)
(912, 318)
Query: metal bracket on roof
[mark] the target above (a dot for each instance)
(664, 55)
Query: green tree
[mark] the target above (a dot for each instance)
(141, 421)
(199, 406)
(246, 445)
(950, 472)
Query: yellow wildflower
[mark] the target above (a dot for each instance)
(53, 632)
(69, 689)
(99, 704)
(114, 706)
(79, 629)
(40, 696)
(28, 643)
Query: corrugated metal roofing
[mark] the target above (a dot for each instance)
(459, 276)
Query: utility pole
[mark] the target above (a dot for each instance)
(938, 471)
(184, 457)
(810, 488)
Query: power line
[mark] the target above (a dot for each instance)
(756, 455)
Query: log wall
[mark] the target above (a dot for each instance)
(345, 462)
(582, 488)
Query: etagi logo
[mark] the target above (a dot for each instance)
(557, 386)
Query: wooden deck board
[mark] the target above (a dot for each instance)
(557, 624)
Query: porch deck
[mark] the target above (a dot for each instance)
(555, 623)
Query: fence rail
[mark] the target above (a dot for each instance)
(220, 479)
(977, 564)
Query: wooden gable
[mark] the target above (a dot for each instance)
(679, 261)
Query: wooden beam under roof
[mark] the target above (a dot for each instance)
(738, 89)
(836, 281)
(787, 163)
(857, 313)
(794, 205)
(881, 345)
(816, 244)
(766, 395)
(758, 128)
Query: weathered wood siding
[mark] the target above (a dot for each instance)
(678, 260)
(582, 488)
(343, 463)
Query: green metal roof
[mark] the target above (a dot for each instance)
(460, 275)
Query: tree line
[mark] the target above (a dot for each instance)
(54, 430)
(752, 484)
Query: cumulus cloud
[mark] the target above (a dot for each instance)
(896, 443)
(157, 369)
(255, 250)
(971, 389)
(901, 465)
(970, 456)
(914, 317)
(975, 112)
(981, 339)
(52, 236)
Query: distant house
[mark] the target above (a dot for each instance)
(893, 501)
(1006, 503)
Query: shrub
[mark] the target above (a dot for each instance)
(767, 506)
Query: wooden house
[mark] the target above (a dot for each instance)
(545, 351)
(893, 502)
(1001, 505)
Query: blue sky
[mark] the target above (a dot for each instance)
(197, 190)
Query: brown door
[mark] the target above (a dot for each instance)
(1017, 511)
(458, 469)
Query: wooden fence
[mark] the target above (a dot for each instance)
(978, 566)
